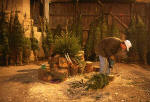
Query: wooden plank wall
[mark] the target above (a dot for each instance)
(60, 12)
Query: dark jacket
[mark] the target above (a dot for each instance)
(108, 46)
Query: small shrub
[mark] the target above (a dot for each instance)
(67, 44)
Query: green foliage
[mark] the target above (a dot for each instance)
(104, 28)
(114, 31)
(57, 31)
(49, 36)
(81, 63)
(34, 41)
(15, 39)
(4, 44)
(67, 44)
(34, 44)
(89, 48)
(76, 29)
(18, 34)
(137, 33)
(97, 81)
(26, 50)
(98, 31)
(142, 39)
(48, 40)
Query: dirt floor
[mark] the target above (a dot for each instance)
(21, 84)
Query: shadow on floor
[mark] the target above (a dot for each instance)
(24, 76)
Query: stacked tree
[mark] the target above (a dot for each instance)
(99, 29)
(137, 33)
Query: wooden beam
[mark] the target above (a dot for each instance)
(119, 21)
(115, 17)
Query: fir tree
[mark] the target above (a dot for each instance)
(142, 39)
(4, 45)
(34, 44)
(97, 34)
(89, 48)
(76, 29)
(57, 31)
(114, 31)
(137, 34)
(98, 31)
(17, 39)
(104, 28)
(49, 39)
(26, 50)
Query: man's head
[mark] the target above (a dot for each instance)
(124, 48)
(128, 44)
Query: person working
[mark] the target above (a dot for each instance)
(110, 48)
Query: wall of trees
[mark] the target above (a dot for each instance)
(15, 48)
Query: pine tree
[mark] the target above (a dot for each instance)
(97, 34)
(137, 34)
(57, 31)
(49, 39)
(114, 31)
(76, 29)
(4, 45)
(89, 48)
(18, 39)
(26, 50)
(142, 39)
(98, 31)
(34, 44)
(104, 28)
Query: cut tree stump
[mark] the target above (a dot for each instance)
(96, 68)
(89, 67)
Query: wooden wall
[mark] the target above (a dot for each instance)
(60, 12)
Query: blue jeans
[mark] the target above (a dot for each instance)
(104, 66)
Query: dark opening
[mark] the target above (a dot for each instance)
(148, 58)
(36, 10)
